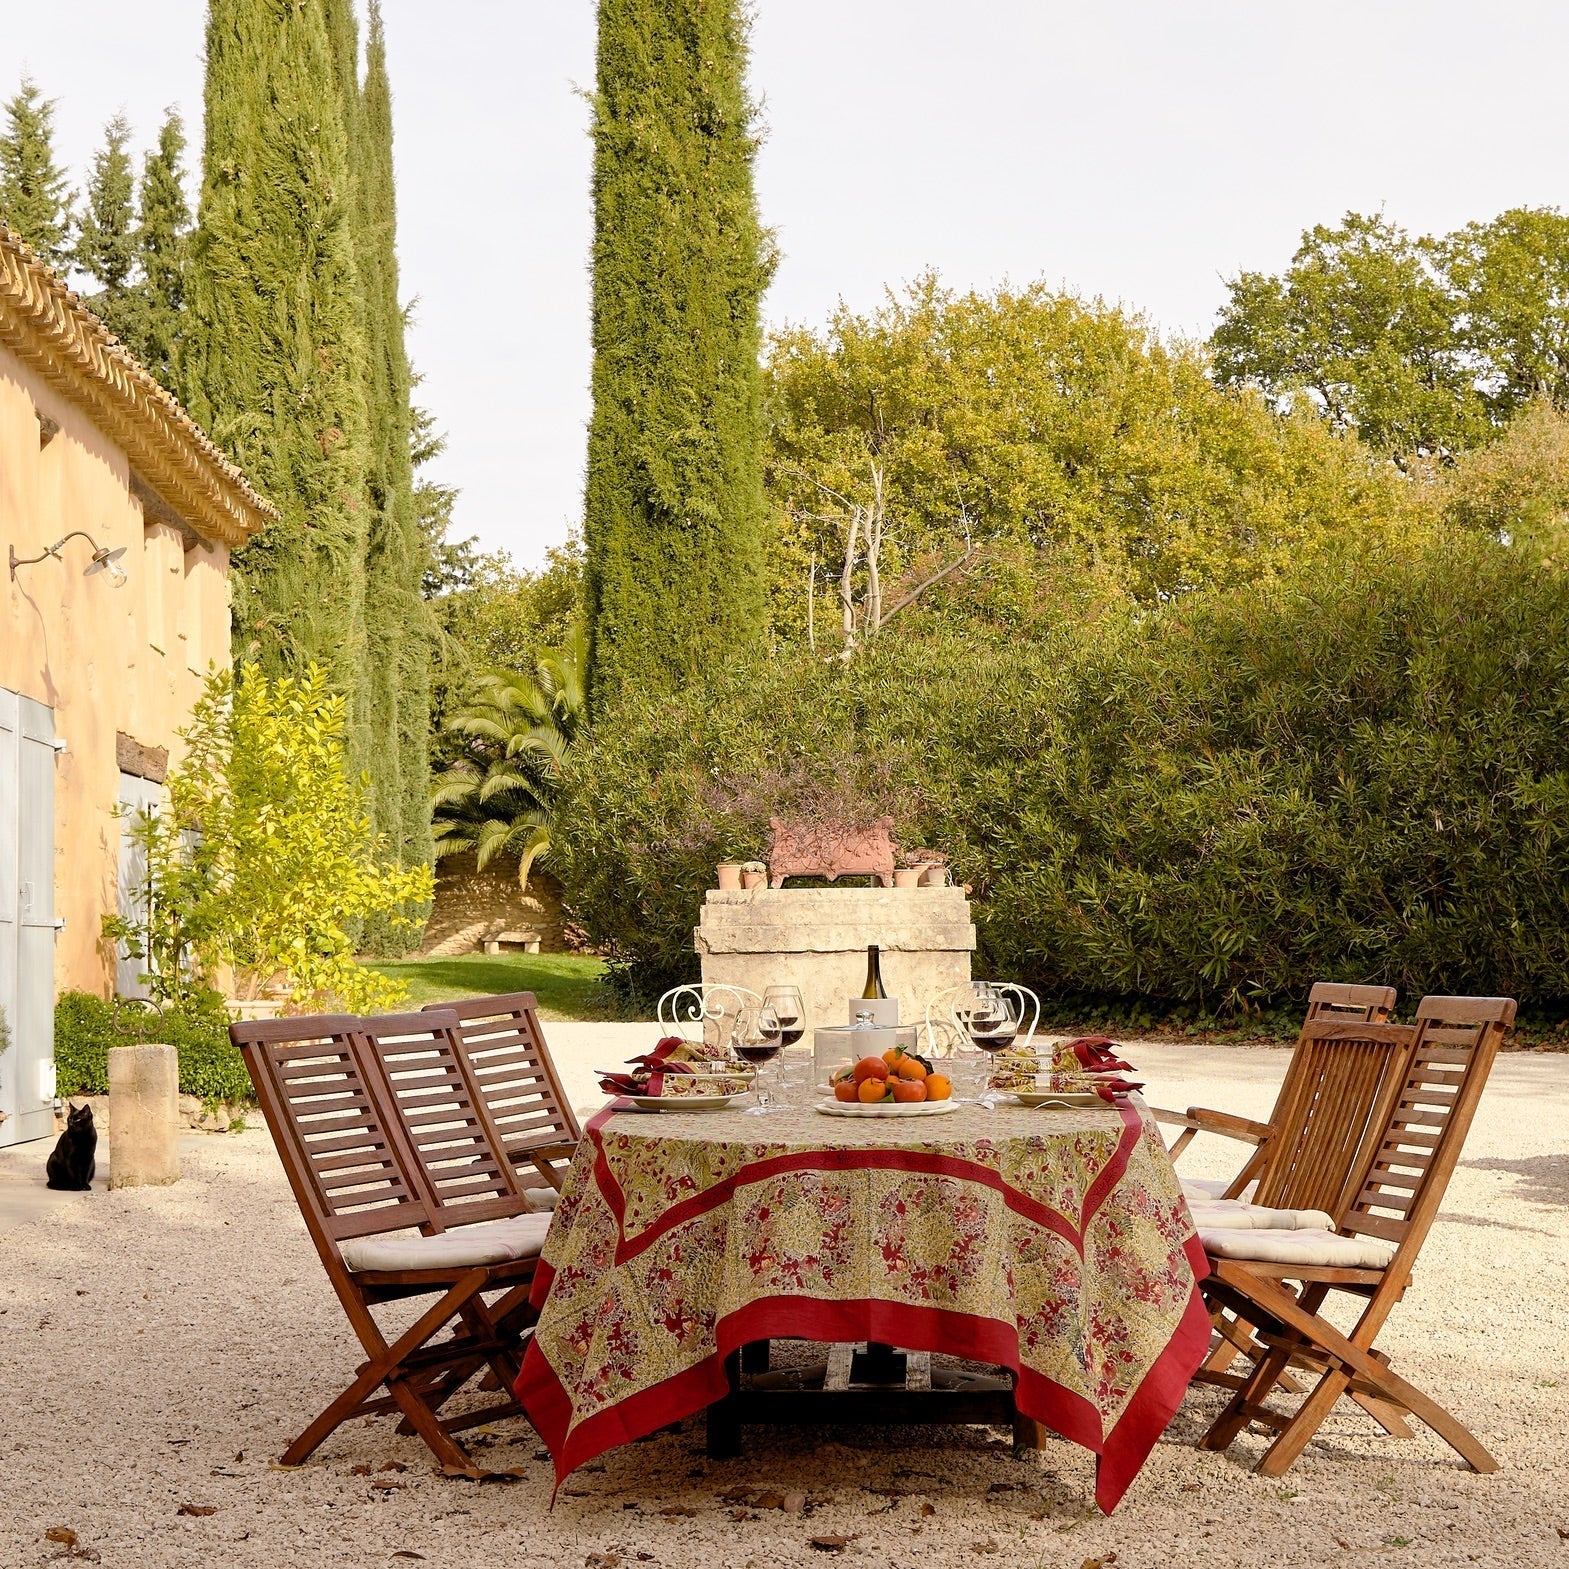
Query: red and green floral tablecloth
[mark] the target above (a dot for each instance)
(1054, 1243)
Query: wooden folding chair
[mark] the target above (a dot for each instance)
(501, 1042)
(1332, 1109)
(1328, 1001)
(358, 1181)
(1370, 1255)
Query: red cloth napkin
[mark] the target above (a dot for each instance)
(655, 1065)
(1095, 1055)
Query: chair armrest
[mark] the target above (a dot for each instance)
(1201, 1120)
(1229, 1126)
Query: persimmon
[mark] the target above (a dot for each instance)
(870, 1068)
(911, 1068)
(907, 1090)
(845, 1089)
(938, 1086)
(872, 1090)
(892, 1056)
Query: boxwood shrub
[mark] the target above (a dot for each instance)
(85, 1027)
(1360, 772)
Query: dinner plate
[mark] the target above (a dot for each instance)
(680, 1102)
(1052, 1100)
(914, 1108)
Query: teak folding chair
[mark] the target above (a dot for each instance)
(1328, 1002)
(1370, 1255)
(358, 1180)
(1333, 1107)
(509, 1063)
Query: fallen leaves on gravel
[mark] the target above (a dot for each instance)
(768, 1501)
(198, 1510)
(62, 1534)
(1105, 1561)
(675, 1511)
(830, 1544)
(988, 1546)
(602, 1560)
(408, 1552)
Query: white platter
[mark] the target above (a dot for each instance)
(680, 1102)
(1056, 1100)
(914, 1108)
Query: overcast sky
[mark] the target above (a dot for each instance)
(1134, 149)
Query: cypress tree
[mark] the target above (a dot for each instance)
(34, 199)
(397, 619)
(153, 319)
(106, 237)
(673, 521)
(273, 360)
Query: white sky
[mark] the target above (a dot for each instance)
(1135, 149)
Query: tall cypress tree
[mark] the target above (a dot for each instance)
(397, 618)
(163, 249)
(273, 360)
(673, 521)
(34, 198)
(106, 238)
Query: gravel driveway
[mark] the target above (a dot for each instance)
(159, 1346)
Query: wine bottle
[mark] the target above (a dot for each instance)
(874, 973)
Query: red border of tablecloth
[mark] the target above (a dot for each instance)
(1119, 1456)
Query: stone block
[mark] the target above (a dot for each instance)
(817, 939)
(144, 1119)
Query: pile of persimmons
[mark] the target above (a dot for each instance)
(896, 1076)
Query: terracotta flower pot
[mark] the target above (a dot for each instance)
(729, 874)
(908, 877)
(753, 879)
(934, 877)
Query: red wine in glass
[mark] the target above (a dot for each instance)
(790, 1031)
(760, 1051)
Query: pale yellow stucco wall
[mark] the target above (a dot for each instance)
(106, 659)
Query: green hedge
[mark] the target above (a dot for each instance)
(1361, 773)
(85, 1027)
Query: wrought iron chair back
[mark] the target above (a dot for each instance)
(714, 1013)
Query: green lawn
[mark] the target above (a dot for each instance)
(567, 984)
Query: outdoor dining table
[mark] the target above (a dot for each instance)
(1053, 1243)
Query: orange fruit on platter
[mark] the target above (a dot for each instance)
(911, 1068)
(844, 1089)
(938, 1087)
(907, 1090)
(872, 1090)
(870, 1068)
(892, 1056)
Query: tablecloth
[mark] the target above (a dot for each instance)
(1055, 1243)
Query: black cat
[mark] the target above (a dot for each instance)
(74, 1162)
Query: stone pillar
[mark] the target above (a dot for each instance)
(144, 1121)
(817, 938)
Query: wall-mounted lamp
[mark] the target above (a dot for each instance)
(104, 560)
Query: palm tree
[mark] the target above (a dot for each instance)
(498, 798)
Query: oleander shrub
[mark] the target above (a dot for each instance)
(85, 1027)
(1358, 772)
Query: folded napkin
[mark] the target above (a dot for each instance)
(1091, 1054)
(669, 1069)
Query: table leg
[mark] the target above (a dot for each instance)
(754, 1356)
(724, 1415)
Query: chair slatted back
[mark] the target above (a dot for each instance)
(344, 1157)
(1402, 1183)
(1329, 1002)
(510, 1065)
(413, 1065)
(1342, 1081)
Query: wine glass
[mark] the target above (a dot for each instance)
(761, 1049)
(990, 1019)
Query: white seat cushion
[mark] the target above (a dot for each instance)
(493, 1242)
(1212, 1188)
(1324, 1249)
(542, 1200)
(1234, 1215)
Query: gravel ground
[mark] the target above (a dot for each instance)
(160, 1347)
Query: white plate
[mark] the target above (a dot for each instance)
(1063, 1100)
(914, 1108)
(679, 1102)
